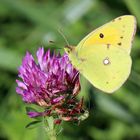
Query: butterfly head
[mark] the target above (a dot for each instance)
(69, 49)
(72, 54)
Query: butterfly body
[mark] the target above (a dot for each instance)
(103, 56)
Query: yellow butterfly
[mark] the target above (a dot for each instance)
(103, 56)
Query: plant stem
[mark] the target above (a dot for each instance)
(50, 128)
(52, 135)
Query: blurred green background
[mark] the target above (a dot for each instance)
(27, 24)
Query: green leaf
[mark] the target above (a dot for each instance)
(30, 109)
(33, 124)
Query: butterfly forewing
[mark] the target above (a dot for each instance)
(118, 32)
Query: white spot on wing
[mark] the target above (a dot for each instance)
(106, 61)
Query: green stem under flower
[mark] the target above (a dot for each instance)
(50, 129)
(52, 135)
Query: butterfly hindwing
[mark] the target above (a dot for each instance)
(106, 67)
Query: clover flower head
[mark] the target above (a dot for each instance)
(52, 84)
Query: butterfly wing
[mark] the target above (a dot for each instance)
(118, 32)
(106, 67)
(103, 56)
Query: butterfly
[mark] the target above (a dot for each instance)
(103, 56)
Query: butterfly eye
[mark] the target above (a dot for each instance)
(69, 49)
(101, 35)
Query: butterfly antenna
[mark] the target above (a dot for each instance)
(64, 37)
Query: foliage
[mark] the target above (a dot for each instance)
(25, 25)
